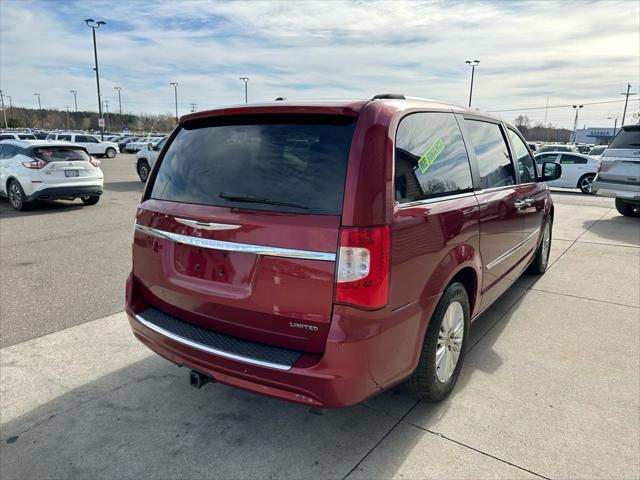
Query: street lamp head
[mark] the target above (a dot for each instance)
(244, 79)
(88, 21)
(37, 94)
(117, 88)
(173, 83)
(100, 23)
(472, 64)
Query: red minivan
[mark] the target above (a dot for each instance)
(323, 252)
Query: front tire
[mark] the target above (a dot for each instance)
(111, 152)
(91, 200)
(17, 198)
(444, 347)
(585, 183)
(625, 208)
(143, 170)
(541, 260)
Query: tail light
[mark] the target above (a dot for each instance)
(363, 267)
(95, 162)
(35, 163)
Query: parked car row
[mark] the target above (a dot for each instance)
(93, 145)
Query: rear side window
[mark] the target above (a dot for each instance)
(9, 151)
(26, 137)
(6, 137)
(627, 138)
(60, 154)
(494, 162)
(431, 158)
(66, 138)
(572, 159)
(285, 163)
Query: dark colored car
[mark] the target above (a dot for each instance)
(122, 144)
(324, 252)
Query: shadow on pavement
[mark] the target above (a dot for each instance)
(40, 208)
(131, 186)
(619, 229)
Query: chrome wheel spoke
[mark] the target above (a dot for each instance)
(450, 341)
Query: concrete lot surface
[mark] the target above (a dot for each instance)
(550, 388)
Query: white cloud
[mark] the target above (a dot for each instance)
(529, 51)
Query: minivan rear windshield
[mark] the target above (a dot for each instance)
(60, 154)
(629, 137)
(284, 163)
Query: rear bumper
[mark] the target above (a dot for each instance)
(65, 192)
(366, 352)
(616, 190)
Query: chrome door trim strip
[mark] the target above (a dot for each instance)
(206, 348)
(440, 198)
(206, 226)
(237, 247)
(512, 250)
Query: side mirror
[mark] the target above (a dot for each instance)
(150, 146)
(551, 171)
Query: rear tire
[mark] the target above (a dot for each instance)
(444, 347)
(625, 208)
(586, 182)
(17, 196)
(92, 200)
(143, 170)
(541, 260)
(111, 152)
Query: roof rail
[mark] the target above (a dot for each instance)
(393, 96)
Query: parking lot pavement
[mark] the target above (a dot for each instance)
(550, 389)
(66, 264)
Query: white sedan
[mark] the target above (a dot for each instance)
(47, 170)
(578, 170)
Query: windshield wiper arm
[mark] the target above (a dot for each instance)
(247, 198)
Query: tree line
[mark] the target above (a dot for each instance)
(539, 132)
(53, 119)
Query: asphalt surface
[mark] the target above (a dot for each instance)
(549, 389)
(62, 263)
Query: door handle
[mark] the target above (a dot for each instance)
(520, 204)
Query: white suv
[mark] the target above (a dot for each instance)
(146, 159)
(46, 170)
(17, 136)
(90, 142)
(619, 173)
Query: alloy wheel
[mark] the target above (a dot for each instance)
(546, 243)
(15, 197)
(449, 343)
(586, 183)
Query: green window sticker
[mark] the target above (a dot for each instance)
(431, 155)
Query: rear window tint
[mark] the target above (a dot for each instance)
(285, 163)
(60, 154)
(627, 138)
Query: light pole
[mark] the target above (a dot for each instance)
(39, 109)
(67, 107)
(575, 121)
(119, 106)
(75, 98)
(626, 101)
(473, 65)
(175, 93)
(10, 108)
(4, 112)
(93, 25)
(246, 81)
(615, 125)
(106, 108)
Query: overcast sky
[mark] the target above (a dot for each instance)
(568, 52)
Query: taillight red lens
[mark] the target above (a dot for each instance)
(36, 163)
(95, 162)
(363, 267)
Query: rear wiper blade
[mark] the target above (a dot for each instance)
(247, 198)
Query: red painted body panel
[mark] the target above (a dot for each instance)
(355, 353)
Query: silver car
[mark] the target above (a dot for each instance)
(619, 174)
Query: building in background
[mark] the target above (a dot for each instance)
(595, 135)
